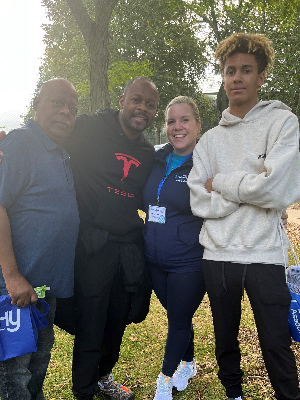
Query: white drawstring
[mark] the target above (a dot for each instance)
(296, 261)
(280, 228)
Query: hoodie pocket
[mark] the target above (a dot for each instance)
(249, 226)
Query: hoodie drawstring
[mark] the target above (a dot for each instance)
(243, 281)
(243, 278)
(223, 276)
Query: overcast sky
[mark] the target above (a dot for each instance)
(21, 50)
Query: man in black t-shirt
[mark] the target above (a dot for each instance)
(111, 160)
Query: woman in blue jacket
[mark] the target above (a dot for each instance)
(172, 248)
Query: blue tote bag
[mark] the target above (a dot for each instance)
(294, 317)
(19, 327)
(293, 282)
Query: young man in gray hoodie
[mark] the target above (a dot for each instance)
(246, 172)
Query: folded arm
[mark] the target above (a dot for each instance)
(205, 203)
(278, 185)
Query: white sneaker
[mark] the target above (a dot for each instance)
(184, 372)
(163, 388)
(235, 398)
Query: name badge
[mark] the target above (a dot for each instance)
(157, 214)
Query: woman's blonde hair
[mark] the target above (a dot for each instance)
(184, 100)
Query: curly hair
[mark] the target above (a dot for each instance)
(257, 44)
(184, 100)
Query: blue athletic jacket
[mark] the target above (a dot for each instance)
(173, 246)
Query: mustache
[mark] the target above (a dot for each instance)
(140, 114)
(65, 122)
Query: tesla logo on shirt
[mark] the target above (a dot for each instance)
(128, 162)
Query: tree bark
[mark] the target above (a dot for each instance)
(222, 100)
(96, 36)
(158, 134)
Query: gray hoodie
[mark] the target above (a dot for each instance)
(242, 213)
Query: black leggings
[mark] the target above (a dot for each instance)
(180, 294)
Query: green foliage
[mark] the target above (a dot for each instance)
(208, 112)
(29, 113)
(66, 54)
(172, 41)
(284, 81)
(121, 72)
(278, 19)
(164, 39)
(162, 44)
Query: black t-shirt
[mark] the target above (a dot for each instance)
(109, 172)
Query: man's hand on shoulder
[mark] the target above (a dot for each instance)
(208, 185)
(20, 290)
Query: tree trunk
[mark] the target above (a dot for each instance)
(222, 100)
(96, 36)
(99, 56)
(157, 139)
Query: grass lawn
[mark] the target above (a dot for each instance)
(142, 353)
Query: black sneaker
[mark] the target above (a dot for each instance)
(115, 391)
